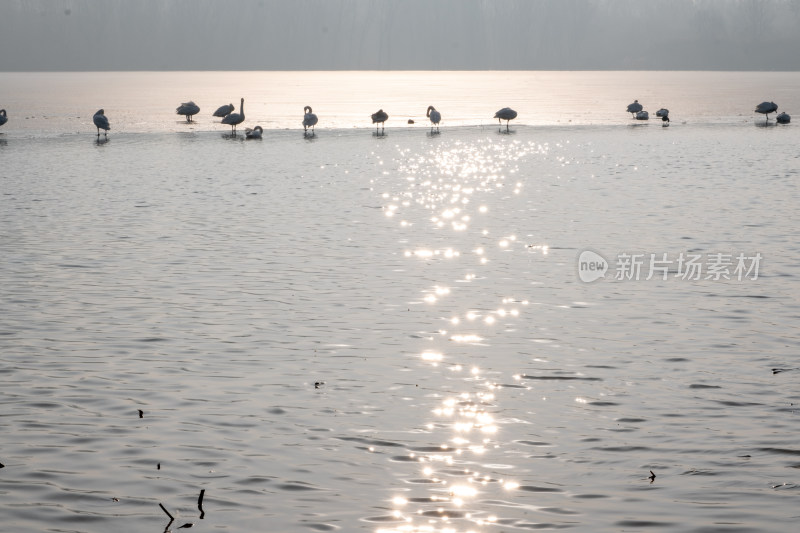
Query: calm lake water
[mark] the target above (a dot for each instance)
(397, 333)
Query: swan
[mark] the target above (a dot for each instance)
(101, 121)
(235, 118)
(662, 113)
(642, 115)
(380, 117)
(254, 133)
(766, 108)
(435, 117)
(634, 108)
(223, 110)
(783, 118)
(506, 114)
(3, 117)
(309, 119)
(188, 109)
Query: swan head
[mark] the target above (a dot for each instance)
(307, 109)
(430, 108)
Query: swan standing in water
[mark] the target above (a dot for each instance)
(3, 117)
(380, 117)
(224, 110)
(101, 121)
(766, 108)
(309, 120)
(634, 108)
(506, 114)
(235, 118)
(188, 109)
(255, 133)
(435, 117)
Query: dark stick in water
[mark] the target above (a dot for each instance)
(171, 518)
(200, 503)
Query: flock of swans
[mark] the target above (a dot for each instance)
(190, 109)
(765, 108)
(379, 118)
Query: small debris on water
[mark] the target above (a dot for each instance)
(187, 524)
(141, 413)
(652, 476)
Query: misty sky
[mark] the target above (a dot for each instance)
(399, 34)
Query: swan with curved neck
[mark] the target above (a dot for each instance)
(254, 133)
(435, 117)
(309, 119)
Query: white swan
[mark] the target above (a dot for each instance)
(766, 108)
(3, 117)
(435, 117)
(224, 110)
(101, 121)
(506, 114)
(254, 133)
(634, 108)
(188, 109)
(380, 117)
(235, 118)
(309, 119)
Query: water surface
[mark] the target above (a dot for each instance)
(390, 334)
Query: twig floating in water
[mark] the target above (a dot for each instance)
(187, 524)
(200, 503)
(652, 476)
(171, 518)
(141, 413)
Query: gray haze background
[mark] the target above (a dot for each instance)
(52, 35)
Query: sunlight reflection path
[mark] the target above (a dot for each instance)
(448, 188)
